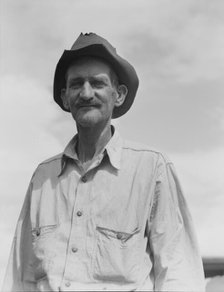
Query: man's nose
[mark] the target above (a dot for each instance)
(86, 91)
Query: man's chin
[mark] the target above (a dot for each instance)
(87, 120)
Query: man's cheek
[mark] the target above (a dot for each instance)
(72, 102)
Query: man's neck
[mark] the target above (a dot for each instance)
(91, 141)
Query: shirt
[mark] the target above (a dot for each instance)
(121, 225)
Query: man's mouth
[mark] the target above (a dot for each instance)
(87, 105)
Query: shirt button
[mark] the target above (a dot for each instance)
(74, 249)
(67, 284)
(79, 213)
(119, 236)
(84, 178)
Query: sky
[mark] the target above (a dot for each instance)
(177, 49)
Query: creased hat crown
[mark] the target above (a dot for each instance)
(90, 39)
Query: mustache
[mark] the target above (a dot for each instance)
(86, 103)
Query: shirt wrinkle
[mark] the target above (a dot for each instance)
(88, 232)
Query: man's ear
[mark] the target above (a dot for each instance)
(122, 91)
(64, 98)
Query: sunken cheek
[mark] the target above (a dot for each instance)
(73, 96)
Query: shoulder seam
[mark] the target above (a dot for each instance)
(159, 153)
(57, 157)
(142, 149)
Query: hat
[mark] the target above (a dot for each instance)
(93, 45)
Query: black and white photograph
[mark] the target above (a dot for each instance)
(112, 145)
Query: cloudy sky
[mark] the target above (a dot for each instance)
(177, 48)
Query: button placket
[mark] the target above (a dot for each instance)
(78, 229)
(74, 249)
(84, 178)
(119, 236)
(67, 284)
(79, 213)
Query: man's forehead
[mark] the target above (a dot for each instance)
(89, 61)
(89, 64)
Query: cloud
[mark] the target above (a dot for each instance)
(184, 45)
(179, 39)
(177, 117)
(201, 174)
(26, 108)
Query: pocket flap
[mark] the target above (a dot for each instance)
(120, 235)
(39, 231)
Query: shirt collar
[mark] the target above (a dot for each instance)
(113, 149)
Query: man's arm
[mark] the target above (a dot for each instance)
(177, 262)
(19, 273)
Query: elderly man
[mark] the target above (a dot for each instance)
(106, 214)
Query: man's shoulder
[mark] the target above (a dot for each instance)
(142, 148)
(46, 169)
(50, 166)
(138, 147)
(52, 160)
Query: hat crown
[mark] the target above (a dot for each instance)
(89, 39)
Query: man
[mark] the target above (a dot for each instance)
(106, 214)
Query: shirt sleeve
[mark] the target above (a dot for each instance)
(177, 265)
(19, 273)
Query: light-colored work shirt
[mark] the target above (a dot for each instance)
(121, 225)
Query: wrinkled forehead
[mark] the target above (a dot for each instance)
(90, 65)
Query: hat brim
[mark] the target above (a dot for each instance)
(125, 72)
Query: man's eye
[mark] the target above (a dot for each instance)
(75, 85)
(97, 84)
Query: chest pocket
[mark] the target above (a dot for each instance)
(116, 256)
(41, 232)
(43, 241)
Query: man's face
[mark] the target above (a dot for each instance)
(90, 93)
